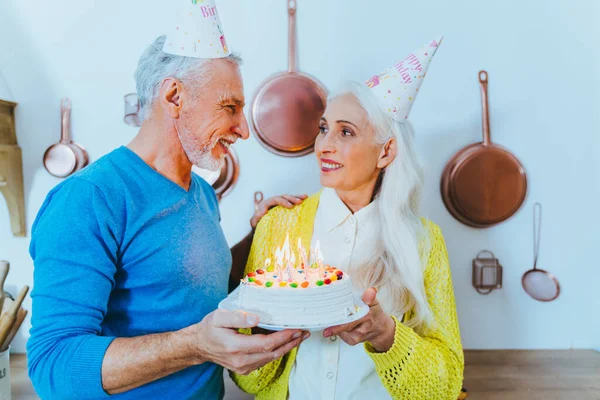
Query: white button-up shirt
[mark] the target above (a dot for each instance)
(329, 368)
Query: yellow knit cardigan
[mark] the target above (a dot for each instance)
(428, 367)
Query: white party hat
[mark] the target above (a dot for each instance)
(197, 31)
(398, 86)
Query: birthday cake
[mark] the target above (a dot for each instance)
(310, 292)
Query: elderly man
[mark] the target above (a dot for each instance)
(130, 259)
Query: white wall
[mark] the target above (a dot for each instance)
(542, 62)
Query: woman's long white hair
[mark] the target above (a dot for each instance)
(403, 245)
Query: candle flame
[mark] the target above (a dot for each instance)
(286, 248)
(285, 261)
(278, 256)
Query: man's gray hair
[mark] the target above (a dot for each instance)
(155, 65)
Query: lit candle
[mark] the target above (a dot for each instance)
(286, 257)
(292, 265)
(303, 260)
(320, 264)
(317, 262)
(278, 264)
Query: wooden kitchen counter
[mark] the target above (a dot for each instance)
(489, 375)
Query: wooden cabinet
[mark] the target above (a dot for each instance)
(11, 168)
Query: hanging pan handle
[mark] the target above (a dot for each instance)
(292, 5)
(483, 83)
(65, 112)
(537, 229)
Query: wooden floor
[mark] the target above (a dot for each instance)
(489, 375)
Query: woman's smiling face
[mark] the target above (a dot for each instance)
(347, 151)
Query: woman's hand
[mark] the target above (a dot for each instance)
(376, 327)
(285, 200)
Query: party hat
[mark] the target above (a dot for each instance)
(197, 31)
(398, 86)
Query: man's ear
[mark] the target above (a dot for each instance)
(171, 96)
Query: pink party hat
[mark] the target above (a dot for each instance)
(398, 86)
(197, 31)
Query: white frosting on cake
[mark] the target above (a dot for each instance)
(314, 305)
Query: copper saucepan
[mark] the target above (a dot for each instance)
(483, 184)
(132, 110)
(83, 158)
(287, 107)
(65, 157)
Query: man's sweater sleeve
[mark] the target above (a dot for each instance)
(74, 247)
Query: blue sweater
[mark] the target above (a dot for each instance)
(121, 251)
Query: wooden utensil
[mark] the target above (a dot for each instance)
(7, 303)
(11, 185)
(21, 314)
(287, 107)
(483, 184)
(4, 269)
(8, 319)
(8, 133)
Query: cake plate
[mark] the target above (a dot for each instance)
(231, 303)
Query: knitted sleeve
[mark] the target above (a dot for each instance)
(261, 378)
(429, 366)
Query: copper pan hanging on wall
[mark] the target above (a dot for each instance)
(483, 184)
(65, 157)
(287, 107)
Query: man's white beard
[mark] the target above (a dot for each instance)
(205, 160)
(203, 157)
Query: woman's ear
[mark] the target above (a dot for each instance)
(388, 153)
(171, 96)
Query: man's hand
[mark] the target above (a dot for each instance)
(285, 200)
(376, 327)
(216, 339)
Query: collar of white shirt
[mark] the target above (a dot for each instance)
(336, 212)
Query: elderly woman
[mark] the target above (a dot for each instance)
(366, 219)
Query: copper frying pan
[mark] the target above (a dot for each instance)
(287, 107)
(228, 176)
(483, 184)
